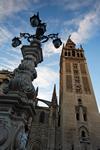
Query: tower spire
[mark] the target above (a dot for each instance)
(70, 44)
(54, 97)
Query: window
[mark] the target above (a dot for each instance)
(79, 101)
(81, 55)
(77, 54)
(85, 117)
(73, 53)
(75, 72)
(59, 121)
(78, 88)
(77, 116)
(42, 117)
(69, 54)
(72, 147)
(75, 66)
(83, 134)
(77, 113)
(85, 113)
(65, 53)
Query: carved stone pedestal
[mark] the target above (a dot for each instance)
(15, 119)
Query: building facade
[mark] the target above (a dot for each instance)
(74, 124)
(80, 119)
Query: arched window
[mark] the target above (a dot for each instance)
(83, 134)
(81, 55)
(72, 147)
(42, 117)
(73, 53)
(78, 116)
(77, 54)
(69, 54)
(85, 116)
(59, 121)
(65, 53)
(79, 101)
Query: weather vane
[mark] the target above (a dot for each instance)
(39, 34)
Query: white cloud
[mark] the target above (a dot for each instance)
(46, 76)
(87, 27)
(8, 8)
(9, 64)
(75, 5)
(45, 94)
(49, 49)
(5, 35)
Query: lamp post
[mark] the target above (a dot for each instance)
(32, 54)
(40, 30)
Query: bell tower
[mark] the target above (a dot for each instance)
(79, 116)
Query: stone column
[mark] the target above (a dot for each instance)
(17, 104)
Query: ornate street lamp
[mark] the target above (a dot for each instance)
(32, 56)
(35, 20)
(16, 42)
(39, 35)
(57, 42)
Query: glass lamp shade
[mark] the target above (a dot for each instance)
(35, 21)
(41, 29)
(16, 42)
(57, 42)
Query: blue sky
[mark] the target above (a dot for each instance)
(80, 18)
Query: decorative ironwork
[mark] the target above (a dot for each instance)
(40, 30)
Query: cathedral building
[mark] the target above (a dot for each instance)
(74, 124)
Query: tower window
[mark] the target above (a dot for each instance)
(42, 117)
(69, 54)
(77, 54)
(65, 53)
(78, 88)
(79, 101)
(81, 55)
(83, 134)
(77, 116)
(85, 117)
(73, 53)
(72, 147)
(75, 66)
(59, 121)
(75, 72)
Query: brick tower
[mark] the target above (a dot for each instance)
(79, 116)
